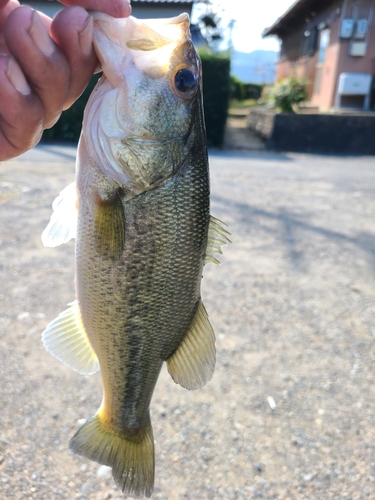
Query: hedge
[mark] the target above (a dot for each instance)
(237, 89)
(240, 91)
(216, 89)
(216, 86)
(253, 91)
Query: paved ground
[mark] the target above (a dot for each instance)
(290, 412)
(238, 137)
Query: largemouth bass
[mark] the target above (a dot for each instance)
(143, 234)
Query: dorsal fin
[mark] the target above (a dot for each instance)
(217, 236)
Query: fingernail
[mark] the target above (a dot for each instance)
(39, 34)
(17, 78)
(85, 37)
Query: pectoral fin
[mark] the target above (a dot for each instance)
(193, 363)
(62, 226)
(110, 226)
(66, 339)
(217, 236)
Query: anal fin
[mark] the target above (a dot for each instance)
(217, 236)
(66, 339)
(193, 363)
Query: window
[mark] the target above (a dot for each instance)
(323, 45)
(309, 42)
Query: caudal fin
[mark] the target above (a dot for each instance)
(130, 456)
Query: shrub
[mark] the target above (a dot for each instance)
(240, 91)
(237, 89)
(216, 88)
(253, 91)
(286, 94)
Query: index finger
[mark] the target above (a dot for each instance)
(115, 8)
(6, 7)
(3, 3)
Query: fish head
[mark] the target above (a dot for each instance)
(139, 122)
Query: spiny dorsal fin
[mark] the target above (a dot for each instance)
(217, 236)
(62, 226)
(193, 363)
(66, 339)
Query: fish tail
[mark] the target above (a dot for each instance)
(131, 456)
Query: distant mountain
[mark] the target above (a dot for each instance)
(258, 66)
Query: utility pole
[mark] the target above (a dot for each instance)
(231, 24)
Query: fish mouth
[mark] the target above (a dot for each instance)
(152, 34)
(148, 43)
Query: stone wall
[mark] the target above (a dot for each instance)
(341, 133)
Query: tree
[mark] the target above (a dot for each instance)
(210, 26)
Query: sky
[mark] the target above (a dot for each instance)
(252, 17)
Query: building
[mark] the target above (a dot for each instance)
(331, 43)
(140, 8)
(161, 8)
(143, 9)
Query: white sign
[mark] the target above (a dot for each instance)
(357, 49)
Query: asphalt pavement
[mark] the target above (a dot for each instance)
(290, 411)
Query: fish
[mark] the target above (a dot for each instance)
(140, 212)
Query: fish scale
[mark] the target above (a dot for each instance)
(143, 285)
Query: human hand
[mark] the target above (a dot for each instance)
(44, 66)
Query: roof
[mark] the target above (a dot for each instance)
(299, 8)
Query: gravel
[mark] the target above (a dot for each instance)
(289, 413)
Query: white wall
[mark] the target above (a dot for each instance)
(170, 10)
(164, 10)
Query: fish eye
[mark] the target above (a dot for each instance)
(186, 82)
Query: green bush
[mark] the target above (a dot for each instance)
(240, 91)
(286, 94)
(253, 91)
(237, 89)
(68, 128)
(216, 88)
